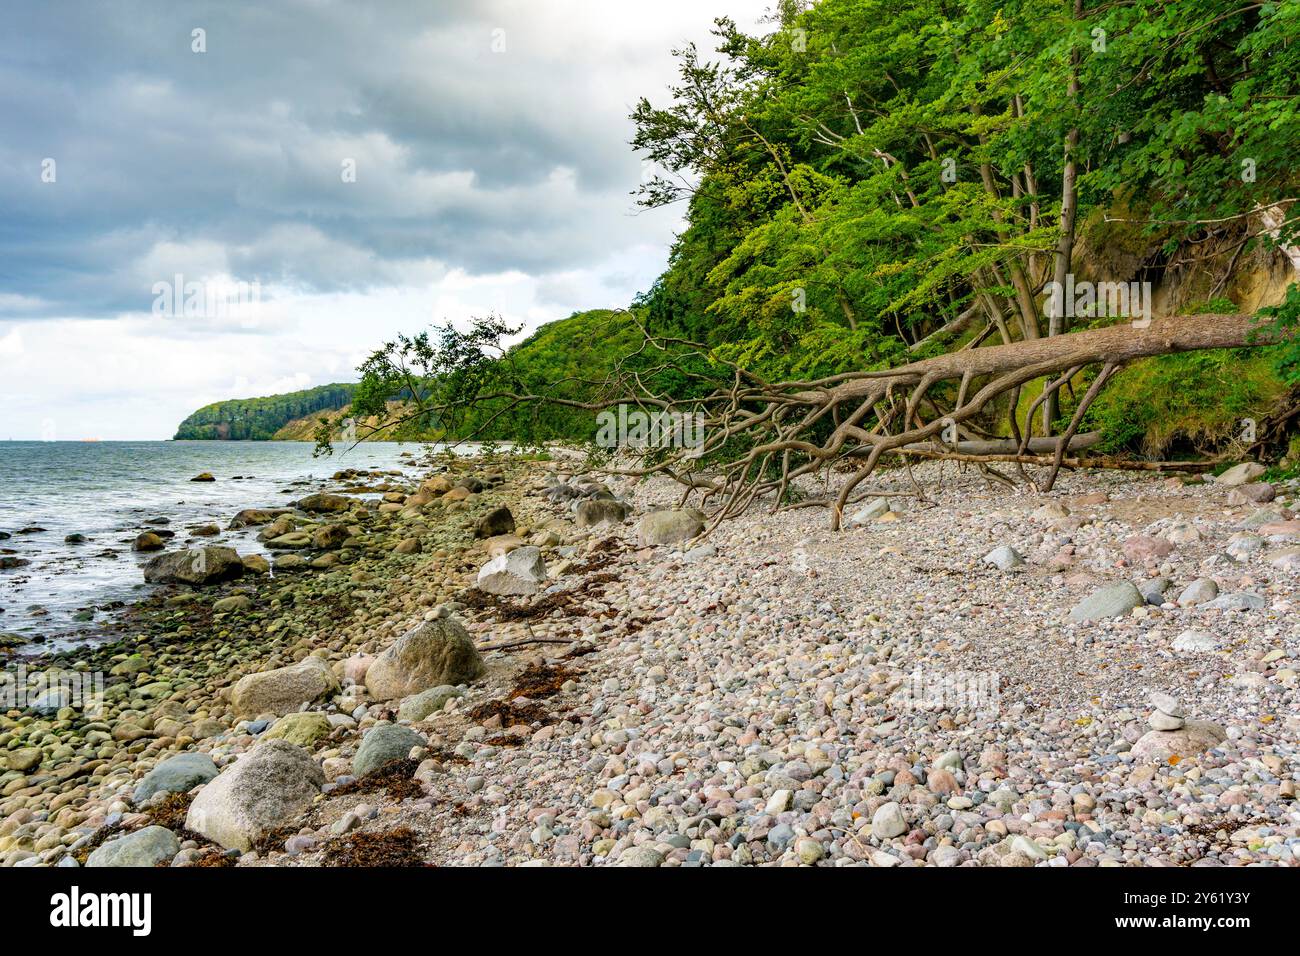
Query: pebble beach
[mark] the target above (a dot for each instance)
(516, 662)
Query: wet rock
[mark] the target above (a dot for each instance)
(330, 537)
(148, 541)
(204, 476)
(250, 517)
(325, 502)
(194, 566)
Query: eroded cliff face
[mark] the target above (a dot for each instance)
(1119, 247)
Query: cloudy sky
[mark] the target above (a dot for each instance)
(372, 166)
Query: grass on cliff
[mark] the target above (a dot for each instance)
(1184, 406)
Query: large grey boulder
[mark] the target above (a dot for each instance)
(382, 745)
(429, 655)
(669, 527)
(522, 571)
(264, 790)
(1114, 600)
(147, 847)
(179, 774)
(283, 690)
(194, 566)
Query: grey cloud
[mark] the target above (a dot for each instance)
(466, 159)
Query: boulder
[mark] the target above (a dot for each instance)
(1194, 642)
(594, 511)
(303, 729)
(431, 654)
(264, 790)
(283, 690)
(1004, 558)
(1193, 738)
(256, 564)
(1259, 493)
(255, 516)
(203, 476)
(147, 847)
(1114, 600)
(495, 522)
(436, 486)
(1240, 601)
(382, 745)
(291, 541)
(669, 527)
(330, 536)
(280, 526)
(1198, 592)
(179, 774)
(1286, 559)
(1143, 548)
(1241, 474)
(232, 604)
(323, 501)
(421, 705)
(869, 512)
(147, 541)
(194, 566)
(522, 571)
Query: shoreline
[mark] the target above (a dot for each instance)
(774, 695)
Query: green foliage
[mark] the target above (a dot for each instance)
(1180, 406)
(257, 419)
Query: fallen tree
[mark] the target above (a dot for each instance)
(901, 410)
(758, 438)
